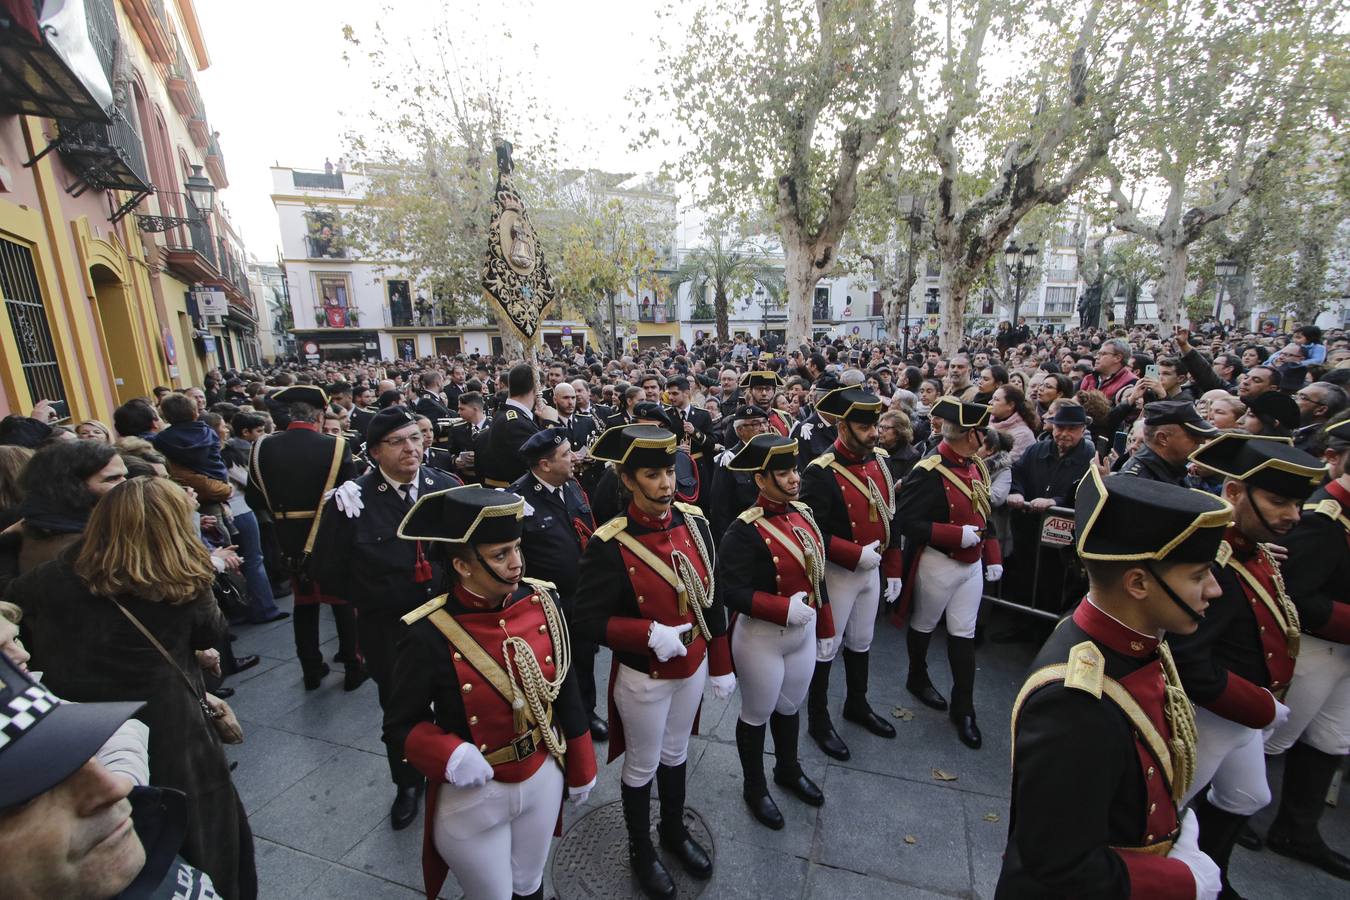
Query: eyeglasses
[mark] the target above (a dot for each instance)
(400, 442)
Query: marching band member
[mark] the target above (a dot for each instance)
(943, 509)
(770, 569)
(1317, 734)
(851, 495)
(484, 702)
(1103, 734)
(1238, 662)
(645, 590)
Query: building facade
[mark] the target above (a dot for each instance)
(104, 254)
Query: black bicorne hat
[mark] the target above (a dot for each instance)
(307, 394)
(765, 453)
(966, 415)
(1338, 431)
(1123, 518)
(851, 404)
(387, 421)
(637, 446)
(1270, 463)
(469, 514)
(1280, 408)
(761, 378)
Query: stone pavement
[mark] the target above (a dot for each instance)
(314, 781)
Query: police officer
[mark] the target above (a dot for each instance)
(943, 511)
(813, 432)
(734, 491)
(558, 525)
(431, 403)
(465, 433)
(497, 769)
(290, 474)
(1317, 735)
(646, 591)
(770, 569)
(1103, 735)
(1173, 430)
(384, 578)
(1238, 662)
(502, 463)
(850, 492)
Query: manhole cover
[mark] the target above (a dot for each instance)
(592, 857)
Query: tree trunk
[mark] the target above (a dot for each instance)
(1169, 290)
(953, 291)
(720, 312)
(801, 276)
(1131, 302)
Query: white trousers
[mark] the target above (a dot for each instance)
(774, 665)
(495, 837)
(854, 598)
(1318, 700)
(944, 586)
(658, 716)
(1232, 756)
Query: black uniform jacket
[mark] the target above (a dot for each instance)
(1317, 573)
(287, 475)
(503, 462)
(580, 428)
(365, 561)
(1147, 464)
(433, 407)
(814, 436)
(1084, 785)
(557, 526)
(732, 493)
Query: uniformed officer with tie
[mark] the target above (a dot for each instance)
(1103, 734)
(511, 428)
(558, 524)
(384, 578)
(431, 403)
(465, 433)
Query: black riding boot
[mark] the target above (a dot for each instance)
(1307, 778)
(856, 708)
(647, 867)
(918, 683)
(537, 895)
(1218, 833)
(818, 723)
(787, 770)
(750, 746)
(674, 835)
(961, 656)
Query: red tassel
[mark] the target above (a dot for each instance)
(583, 532)
(422, 568)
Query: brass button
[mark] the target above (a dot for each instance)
(1150, 771)
(1269, 655)
(466, 688)
(473, 720)
(1148, 839)
(548, 659)
(1263, 629)
(775, 560)
(654, 675)
(458, 657)
(1152, 808)
(631, 570)
(641, 600)
(501, 623)
(482, 748)
(535, 599)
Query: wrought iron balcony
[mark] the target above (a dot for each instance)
(324, 181)
(106, 157)
(200, 131)
(336, 317)
(182, 85)
(190, 252)
(658, 313)
(215, 163)
(324, 248)
(40, 76)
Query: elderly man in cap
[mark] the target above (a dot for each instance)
(1173, 430)
(1103, 735)
(69, 828)
(382, 577)
(1239, 661)
(557, 526)
(734, 491)
(943, 510)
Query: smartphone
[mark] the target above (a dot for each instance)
(1118, 442)
(1103, 446)
(61, 408)
(1152, 372)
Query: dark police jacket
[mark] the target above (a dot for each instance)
(1240, 652)
(1318, 568)
(288, 472)
(1086, 780)
(555, 531)
(814, 435)
(1042, 472)
(732, 493)
(433, 407)
(1147, 464)
(503, 462)
(364, 561)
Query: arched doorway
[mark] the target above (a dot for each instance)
(121, 347)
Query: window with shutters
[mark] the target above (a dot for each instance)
(28, 317)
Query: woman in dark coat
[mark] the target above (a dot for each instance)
(139, 551)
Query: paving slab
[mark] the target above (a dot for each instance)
(331, 810)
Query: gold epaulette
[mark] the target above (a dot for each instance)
(1086, 669)
(928, 463)
(824, 459)
(983, 469)
(1223, 554)
(425, 609)
(751, 515)
(1330, 507)
(511, 415)
(882, 452)
(607, 531)
(540, 583)
(803, 508)
(688, 509)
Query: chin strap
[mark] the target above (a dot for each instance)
(491, 571)
(1148, 564)
(1251, 501)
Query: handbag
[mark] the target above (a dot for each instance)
(216, 710)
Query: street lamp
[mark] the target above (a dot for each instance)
(1020, 261)
(1224, 269)
(915, 222)
(201, 195)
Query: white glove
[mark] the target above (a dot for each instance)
(665, 641)
(825, 648)
(893, 588)
(799, 611)
(578, 795)
(870, 558)
(970, 536)
(348, 497)
(993, 572)
(1203, 869)
(467, 768)
(1281, 716)
(723, 685)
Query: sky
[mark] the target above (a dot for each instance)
(279, 92)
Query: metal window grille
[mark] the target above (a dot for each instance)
(28, 317)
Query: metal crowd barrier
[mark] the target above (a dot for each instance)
(1055, 565)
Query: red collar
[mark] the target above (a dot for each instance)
(302, 426)
(770, 507)
(1111, 632)
(844, 453)
(1243, 546)
(1341, 495)
(951, 456)
(647, 521)
(469, 600)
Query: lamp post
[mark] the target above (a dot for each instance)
(201, 193)
(915, 222)
(1019, 261)
(764, 308)
(1224, 269)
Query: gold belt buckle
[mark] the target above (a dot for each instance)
(524, 745)
(687, 637)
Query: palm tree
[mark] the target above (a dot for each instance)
(731, 266)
